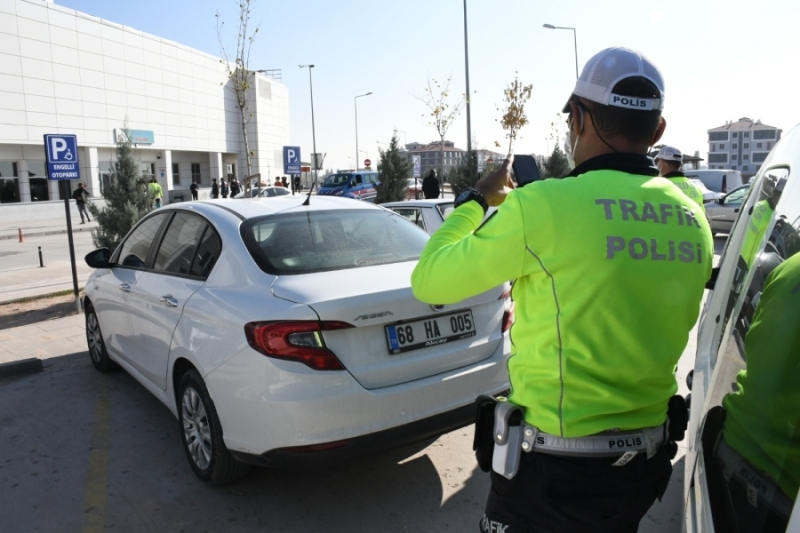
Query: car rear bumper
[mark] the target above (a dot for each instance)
(327, 454)
(267, 405)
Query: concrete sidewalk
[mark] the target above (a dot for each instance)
(44, 340)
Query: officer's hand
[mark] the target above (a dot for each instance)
(496, 186)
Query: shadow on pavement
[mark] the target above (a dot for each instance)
(26, 313)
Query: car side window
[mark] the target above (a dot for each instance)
(207, 253)
(136, 247)
(412, 214)
(179, 245)
(751, 445)
(736, 197)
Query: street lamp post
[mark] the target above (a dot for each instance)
(574, 37)
(466, 65)
(355, 104)
(313, 129)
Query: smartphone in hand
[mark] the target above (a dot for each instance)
(525, 170)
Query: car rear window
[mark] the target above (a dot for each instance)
(319, 241)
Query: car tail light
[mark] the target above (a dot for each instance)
(508, 315)
(295, 341)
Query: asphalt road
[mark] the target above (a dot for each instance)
(21, 276)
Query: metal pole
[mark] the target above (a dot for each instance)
(313, 128)
(466, 64)
(65, 190)
(41, 262)
(575, 38)
(355, 102)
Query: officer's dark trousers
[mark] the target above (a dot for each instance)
(556, 494)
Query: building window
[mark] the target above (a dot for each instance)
(735, 135)
(733, 167)
(733, 157)
(37, 178)
(745, 167)
(176, 175)
(734, 146)
(769, 146)
(721, 146)
(746, 157)
(764, 134)
(746, 145)
(718, 136)
(9, 183)
(196, 173)
(230, 171)
(717, 158)
(758, 145)
(760, 157)
(746, 135)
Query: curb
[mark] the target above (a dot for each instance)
(22, 367)
(25, 299)
(43, 233)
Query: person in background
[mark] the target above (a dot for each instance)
(155, 192)
(79, 195)
(194, 189)
(278, 182)
(670, 164)
(235, 187)
(430, 185)
(214, 188)
(223, 188)
(297, 186)
(284, 182)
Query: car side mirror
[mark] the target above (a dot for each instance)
(98, 258)
(719, 200)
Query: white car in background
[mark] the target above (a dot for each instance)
(281, 334)
(427, 214)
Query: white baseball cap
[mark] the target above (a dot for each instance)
(607, 68)
(669, 153)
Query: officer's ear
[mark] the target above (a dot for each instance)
(662, 125)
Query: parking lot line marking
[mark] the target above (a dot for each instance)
(94, 498)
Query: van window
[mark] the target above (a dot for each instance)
(750, 444)
(337, 180)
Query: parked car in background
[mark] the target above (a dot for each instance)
(743, 443)
(414, 189)
(266, 192)
(722, 181)
(293, 328)
(357, 184)
(708, 194)
(722, 212)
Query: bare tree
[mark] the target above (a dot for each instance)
(239, 74)
(441, 112)
(515, 96)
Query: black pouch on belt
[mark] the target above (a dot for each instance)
(678, 415)
(483, 442)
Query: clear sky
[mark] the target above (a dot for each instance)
(721, 60)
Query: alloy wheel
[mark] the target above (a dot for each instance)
(94, 338)
(196, 429)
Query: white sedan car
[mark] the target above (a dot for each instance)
(427, 214)
(281, 334)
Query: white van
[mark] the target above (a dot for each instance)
(722, 181)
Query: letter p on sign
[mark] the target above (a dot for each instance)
(57, 145)
(292, 155)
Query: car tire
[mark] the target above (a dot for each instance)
(94, 340)
(201, 434)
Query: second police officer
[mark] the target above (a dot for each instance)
(610, 265)
(670, 163)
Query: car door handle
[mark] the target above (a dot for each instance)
(125, 287)
(170, 301)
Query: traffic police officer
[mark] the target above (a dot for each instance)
(610, 265)
(669, 162)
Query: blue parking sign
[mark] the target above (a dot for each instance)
(62, 157)
(291, 160)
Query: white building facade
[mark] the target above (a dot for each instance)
(62, 71)
(741, 145)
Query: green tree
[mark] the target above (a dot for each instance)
(466, 174)
(394, 169)
(513, 118)
(127, 199)
(557, 165)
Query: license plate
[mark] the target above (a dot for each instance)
(430, 331)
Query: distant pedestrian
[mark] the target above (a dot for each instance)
(278, 182)
(214, 189)
(223, 188)
(297, 185)
(235, 187)
(430, 185)
(79, 195)
(285, 182)
(194, 188)
(155, 192)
